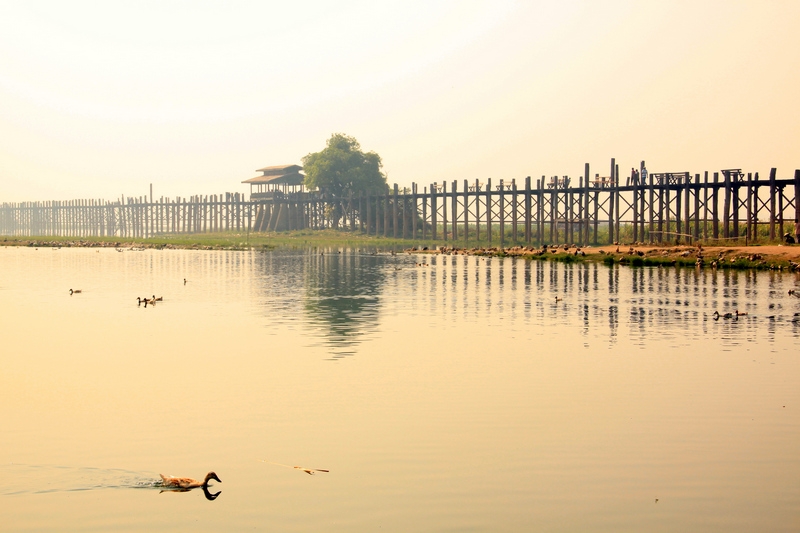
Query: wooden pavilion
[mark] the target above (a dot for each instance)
(276, 181)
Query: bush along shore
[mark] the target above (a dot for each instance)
(760, 257)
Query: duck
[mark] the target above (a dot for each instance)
(792, 292)
(726, 315)
(741, 313)
(159, 299)
(187, 482)
(78, 291)
(559, 299)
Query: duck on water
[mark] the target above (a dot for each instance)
(187, 482)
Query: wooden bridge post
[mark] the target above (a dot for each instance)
(678, 214)
(596, 217)
(514, 206)
(635, 205)
(797, 205)
(749, 226)
(477, 210)
(715, 207)
(489, 210)
(772, 203)
(540, 211)
(663, 199)
(394, 212)
(568, 212)
(705, 205)
(616, 203)
(414, 211)
(424, 213)
(611, 189)
(780, 212)
(554, 212)
(696, 232)
(736, 204)
(651, 225)
(726, 207)
(405, 212)
(466, 212)
(528, 210)
(454, 210)
(585, 204)
(501, 202)
(686, 209)
(386, 213)
(434, 212)
(444, 210)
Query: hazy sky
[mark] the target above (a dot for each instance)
(102, 98)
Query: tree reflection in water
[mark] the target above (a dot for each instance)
(337, 291)
(342, 295)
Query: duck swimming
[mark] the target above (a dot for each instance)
(187, 482)
(726, 315)
(71, 292)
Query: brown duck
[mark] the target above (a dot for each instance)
(187, 482)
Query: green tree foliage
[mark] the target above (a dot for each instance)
(342, 168)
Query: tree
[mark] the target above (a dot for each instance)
(341, 170)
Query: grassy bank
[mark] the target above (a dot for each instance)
(218, 241)
(722, 257)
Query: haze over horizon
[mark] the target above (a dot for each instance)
(99, 99)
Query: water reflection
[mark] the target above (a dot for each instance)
(606, 302)
(341, 291)
(592, 406)
(208, 494)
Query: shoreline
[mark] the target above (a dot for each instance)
(754, 257)
(757, 257)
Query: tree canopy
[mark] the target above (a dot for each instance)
(342, 168)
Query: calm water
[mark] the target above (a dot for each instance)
(457, 396)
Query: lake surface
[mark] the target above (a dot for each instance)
(459, 395)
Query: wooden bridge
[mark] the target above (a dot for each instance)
(729, 205)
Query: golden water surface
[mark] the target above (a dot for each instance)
(464, 394)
